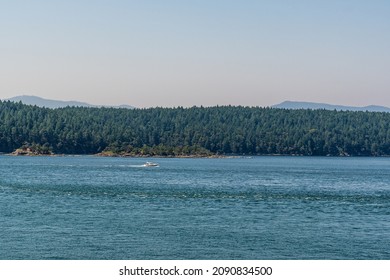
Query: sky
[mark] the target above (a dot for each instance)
(202, 52)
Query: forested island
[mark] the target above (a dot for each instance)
(196, 131)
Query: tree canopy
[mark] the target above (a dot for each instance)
(197, 130)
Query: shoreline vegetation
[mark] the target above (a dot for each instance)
(178, 152)
(20, 153)
(151, 152)
(220, 131)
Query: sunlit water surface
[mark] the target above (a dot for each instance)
(232, 208)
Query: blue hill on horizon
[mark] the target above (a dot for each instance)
(52, 104)
(315, 106)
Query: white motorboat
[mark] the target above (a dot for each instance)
(150, 164)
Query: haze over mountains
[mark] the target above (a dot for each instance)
(49, 103)
(314, 106)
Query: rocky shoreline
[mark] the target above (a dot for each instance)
(112, 154)
(30, 152)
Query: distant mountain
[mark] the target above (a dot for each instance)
(49, 103)
(312, 105)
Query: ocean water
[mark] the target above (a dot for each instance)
(233, 208)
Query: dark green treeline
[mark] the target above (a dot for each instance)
(220, 130)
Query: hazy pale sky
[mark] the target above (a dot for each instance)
(200, 52)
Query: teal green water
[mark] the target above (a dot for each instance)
(233, 208)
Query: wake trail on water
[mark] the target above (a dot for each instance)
(126, 166)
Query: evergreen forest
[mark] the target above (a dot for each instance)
(220, 130)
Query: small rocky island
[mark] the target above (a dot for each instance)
(33, 150)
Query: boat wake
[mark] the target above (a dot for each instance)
(141, 166)
(136, 166)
